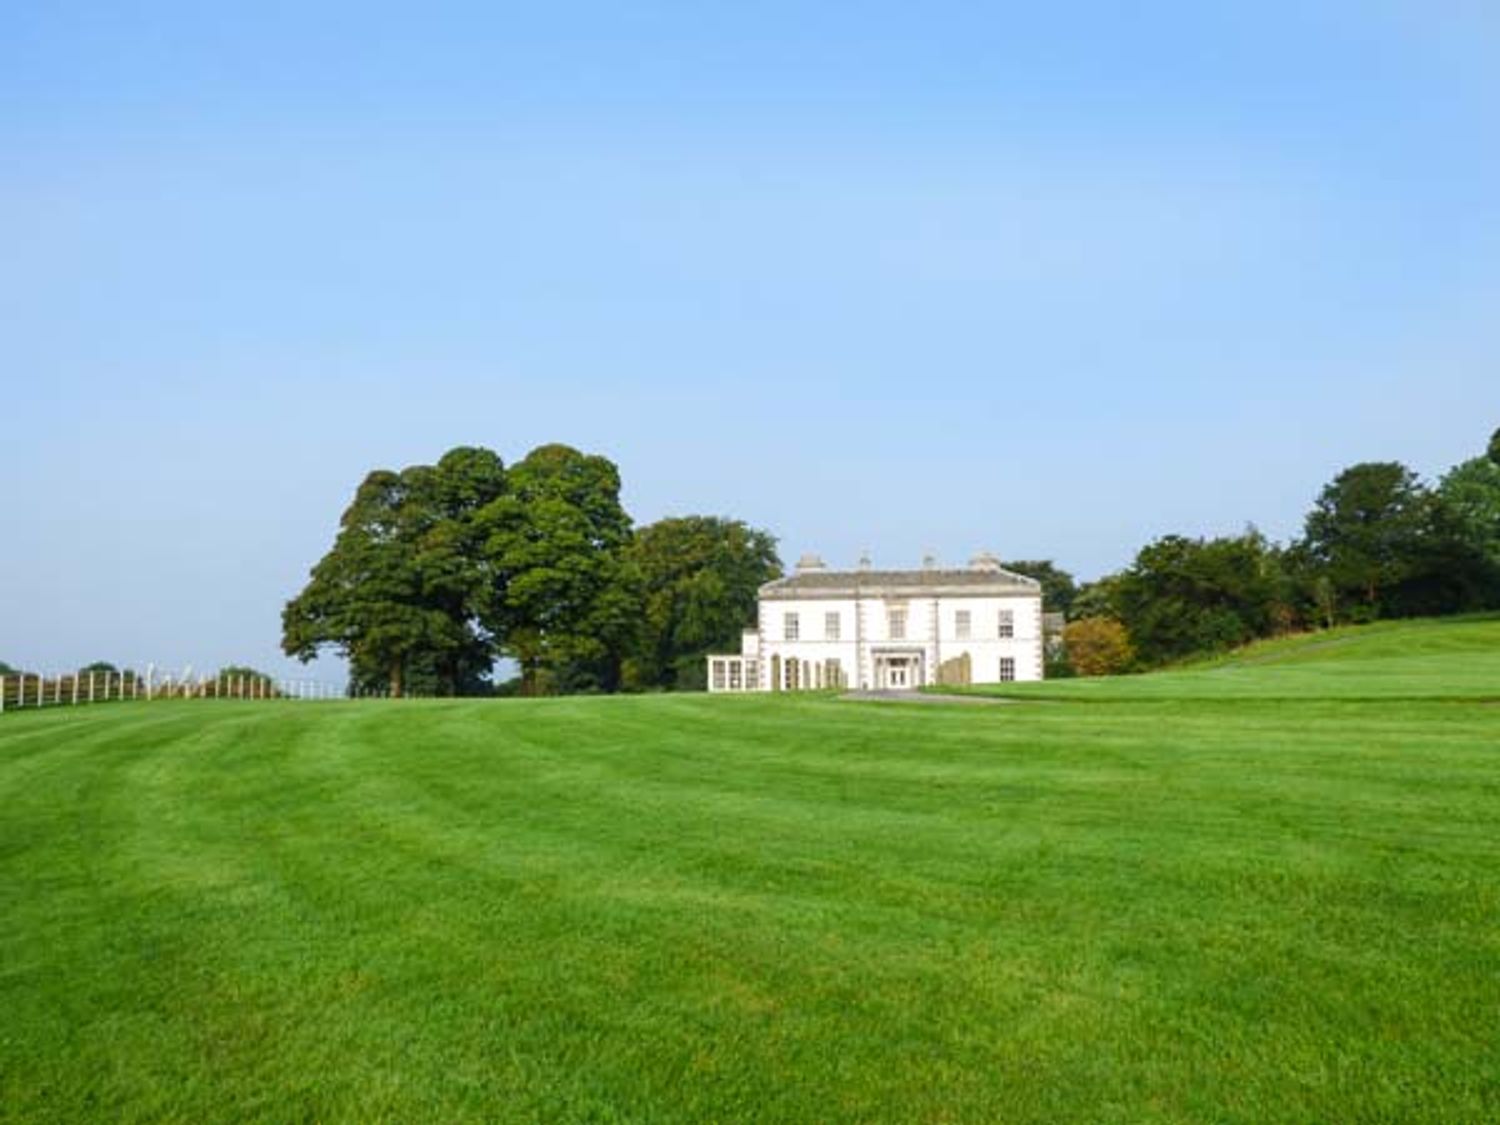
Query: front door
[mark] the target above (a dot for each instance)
(896, 675)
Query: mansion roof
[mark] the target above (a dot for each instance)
(972, 581)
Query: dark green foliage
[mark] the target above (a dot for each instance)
(1365, 530)
(1185, 596)
(422, 677)
(398, 591)
(562, 597)
(1099, 598)
(1059, 590)
(1387, 546)
(1471, 492)
(100, 666)
(438, 569)
(1494, 449)
(699, 578)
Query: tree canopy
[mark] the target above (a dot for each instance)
(402, 581)
(1471, 491)
(561, 596)
(700, 577)
(1183, 596)
(1388, 546)
(437, 570)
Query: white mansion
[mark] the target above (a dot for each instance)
(888, 629)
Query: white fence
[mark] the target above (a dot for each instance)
(28, 689)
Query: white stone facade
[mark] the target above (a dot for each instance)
(888, 630)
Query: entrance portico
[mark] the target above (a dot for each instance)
(898, 669)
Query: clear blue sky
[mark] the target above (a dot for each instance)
(1050, 279)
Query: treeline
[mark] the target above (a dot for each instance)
(1378, 543)
(438, 570)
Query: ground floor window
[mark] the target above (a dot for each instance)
(733, 673)
(1007, 669)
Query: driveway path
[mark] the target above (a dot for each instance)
(922, 697)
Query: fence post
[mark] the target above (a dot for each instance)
(57, 690)
(2, 695)
(75, 689)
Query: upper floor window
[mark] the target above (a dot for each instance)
(1007, 623)
(962, 623)
(898, 624)
(791, 627)
(831, 626)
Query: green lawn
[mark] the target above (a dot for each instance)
(1176, 906)
(1457, 659)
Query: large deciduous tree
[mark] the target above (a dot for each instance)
(562, 597)
(700, 576)
(1390, 547)
(400, 586)
(1183, 596)
(1364, 530)
(1471, 491)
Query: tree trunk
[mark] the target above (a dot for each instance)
(396, 682)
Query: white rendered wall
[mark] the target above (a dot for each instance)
(813, 643)
(868, 622)
(984, 644)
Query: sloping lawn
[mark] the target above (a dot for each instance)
(1456, 659)
(776, 909)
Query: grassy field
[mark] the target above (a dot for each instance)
(1457, 659)
(1263, 890)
